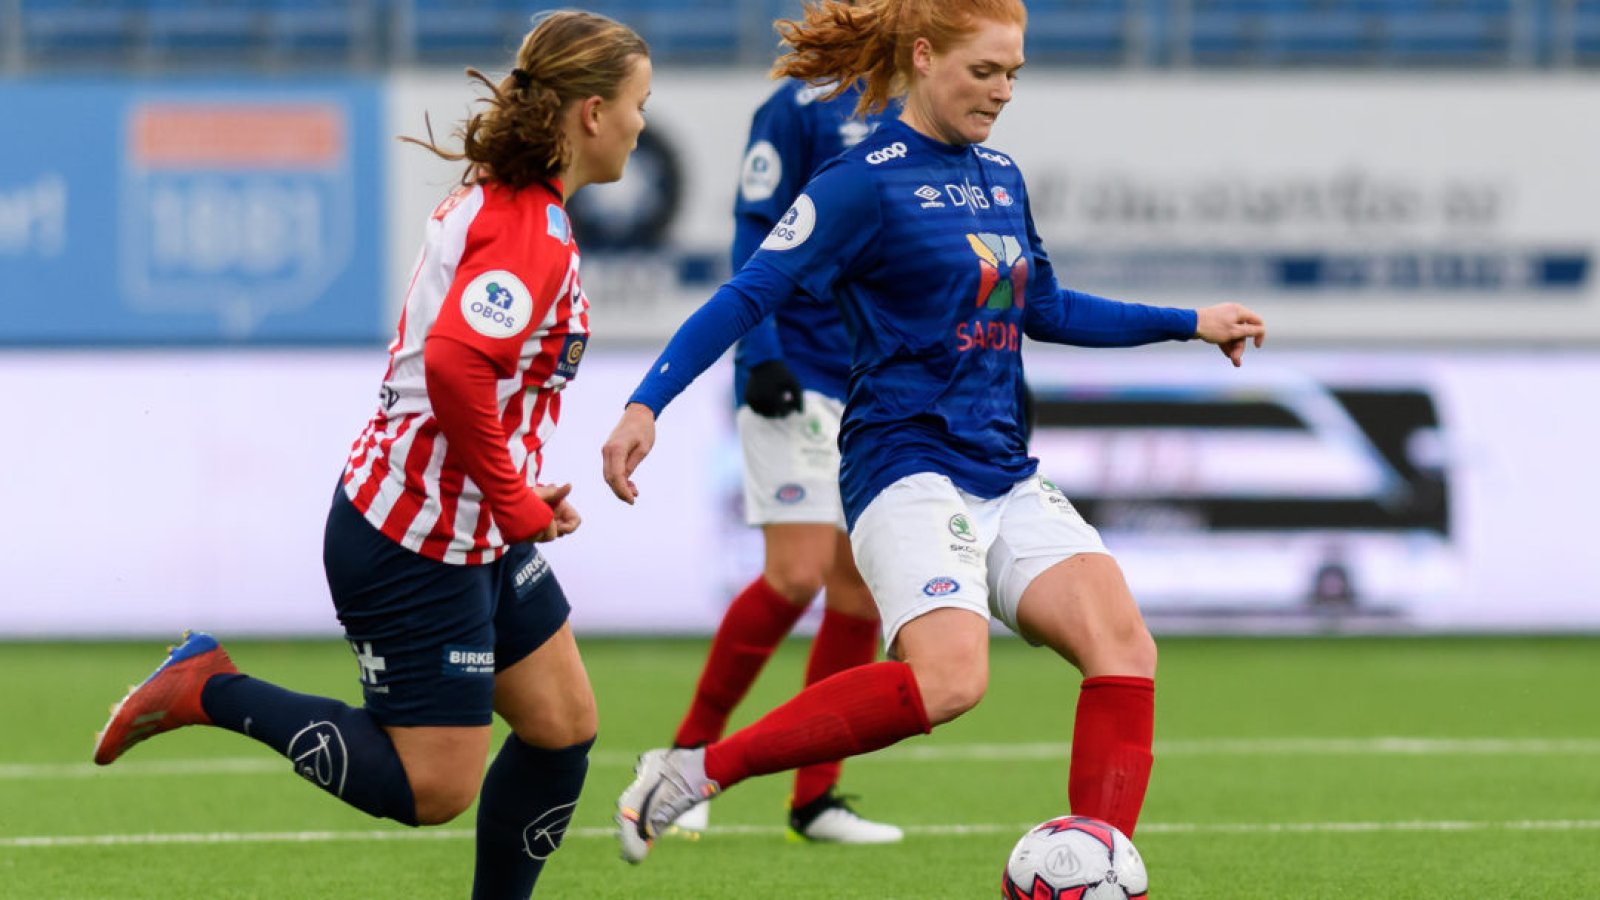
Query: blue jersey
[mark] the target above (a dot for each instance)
(791, 136)
(931, 251)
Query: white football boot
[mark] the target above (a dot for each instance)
(692, 825)
(666, 784)
(829, 819)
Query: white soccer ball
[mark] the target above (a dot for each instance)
(1074, 858)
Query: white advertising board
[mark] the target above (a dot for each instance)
(1308, 491)
(1350, 206)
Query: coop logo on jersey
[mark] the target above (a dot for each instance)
(763, 169)
(929, 195)
(556, 223)
(896, 150)
(1002, 197)
(790, 494)
(496, 304)
(571, 355)
(794, 228)
(961, 527)
(993, 157)
(1002, 270)
(941, 586)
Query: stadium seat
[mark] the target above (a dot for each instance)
(329, 32)
(472, 32)
(1080, 31)
(1448, 32)
(93, 33)
(209, 32)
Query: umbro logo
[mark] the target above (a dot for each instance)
(930, 197)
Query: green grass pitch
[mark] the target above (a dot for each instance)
(1295, 768)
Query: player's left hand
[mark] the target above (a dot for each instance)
(1230, 326)
(565, 519)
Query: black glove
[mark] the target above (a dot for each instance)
(773, 391)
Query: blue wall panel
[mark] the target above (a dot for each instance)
(190, 212)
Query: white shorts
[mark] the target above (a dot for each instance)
(925, 544)
(791, 465)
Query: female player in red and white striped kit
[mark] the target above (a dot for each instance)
(430, 544)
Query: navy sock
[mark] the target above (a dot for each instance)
(339, 748)
(527, 801)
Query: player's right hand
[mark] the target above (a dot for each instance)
(628, 445)
(773, 391)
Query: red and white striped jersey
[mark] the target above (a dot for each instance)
(498, 273)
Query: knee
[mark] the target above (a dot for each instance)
(574, 722)
(950, 690)
(799, 580)
(441, 796)
(1134, 654)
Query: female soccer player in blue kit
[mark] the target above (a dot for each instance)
(927, 240)
(789, 379)
(429, 547)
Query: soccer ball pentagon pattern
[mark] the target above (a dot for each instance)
(1074, 858)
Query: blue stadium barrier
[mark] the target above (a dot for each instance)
(113, 34)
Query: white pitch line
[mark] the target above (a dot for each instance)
(917, 752)
(765, 831)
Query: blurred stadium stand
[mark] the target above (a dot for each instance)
(44, 35)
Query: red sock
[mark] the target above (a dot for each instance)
(755, 623)
(856, 711)
(842, 642)
(1111, 756)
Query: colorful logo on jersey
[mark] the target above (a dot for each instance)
(556, 223)
(763, 169)
(1002, 197)
(941, 586)
(1002, 270)
(790, 494)
(795, 226)
(496, 304)
(571, 355)
(961, 527)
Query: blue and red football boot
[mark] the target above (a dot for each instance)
(168, 699)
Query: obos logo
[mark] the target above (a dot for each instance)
(941, 586)
(795, 226)
(763, 169)
(790, 494)
(496, 304)
(1003, 270)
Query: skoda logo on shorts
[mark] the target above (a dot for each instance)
(813, 429)
(941, 586)
(1049, 485)
(790, 493)
(961, 527)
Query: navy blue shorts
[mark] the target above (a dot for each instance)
(430, 636)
